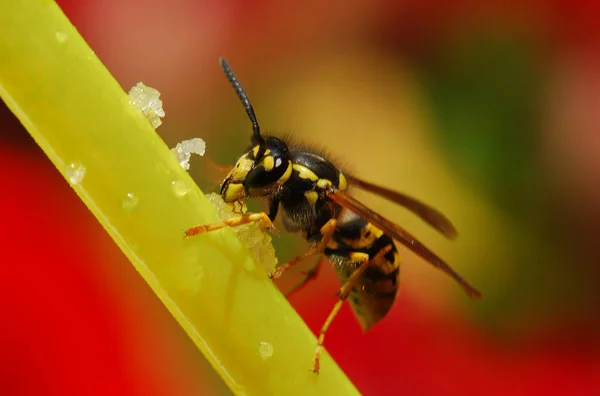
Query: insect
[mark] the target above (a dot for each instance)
(311, 194)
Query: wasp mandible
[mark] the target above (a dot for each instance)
(311, 193)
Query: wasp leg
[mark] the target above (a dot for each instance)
(309, 275)
(232, 222)
(362, 260)
(326, 232)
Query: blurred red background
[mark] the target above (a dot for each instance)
(486, 109)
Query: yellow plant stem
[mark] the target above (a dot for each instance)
(128, 178)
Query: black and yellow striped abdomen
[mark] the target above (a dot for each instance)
(373, 295)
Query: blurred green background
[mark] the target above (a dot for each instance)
(485, 110)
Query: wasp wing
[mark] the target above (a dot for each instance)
(430, 215)
(400, 235)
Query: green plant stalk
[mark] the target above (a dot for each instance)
(83, 120)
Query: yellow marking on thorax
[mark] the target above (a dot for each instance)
(286, 176)
(311, 197)
(343, 184)
(324, 184)
(305, 173)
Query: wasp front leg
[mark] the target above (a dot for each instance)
(326, 234)
(261, 217)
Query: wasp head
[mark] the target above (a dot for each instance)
(265, 167)
(259, 172)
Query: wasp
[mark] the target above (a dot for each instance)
(311, 195)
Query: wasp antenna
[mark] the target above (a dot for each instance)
(239, 90)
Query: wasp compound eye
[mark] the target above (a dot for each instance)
(270, 171)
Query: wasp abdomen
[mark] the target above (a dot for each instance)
(374, 293)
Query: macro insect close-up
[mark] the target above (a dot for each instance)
(402, 199)
(312, 196)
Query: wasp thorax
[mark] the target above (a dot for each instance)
(259, 172)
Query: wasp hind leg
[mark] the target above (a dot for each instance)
(326, 235)
(309, 275)
(362, 261)
(262, 217)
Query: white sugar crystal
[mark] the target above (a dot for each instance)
(147, 100)
(184, 150)
(75, 173)
(265, 350)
